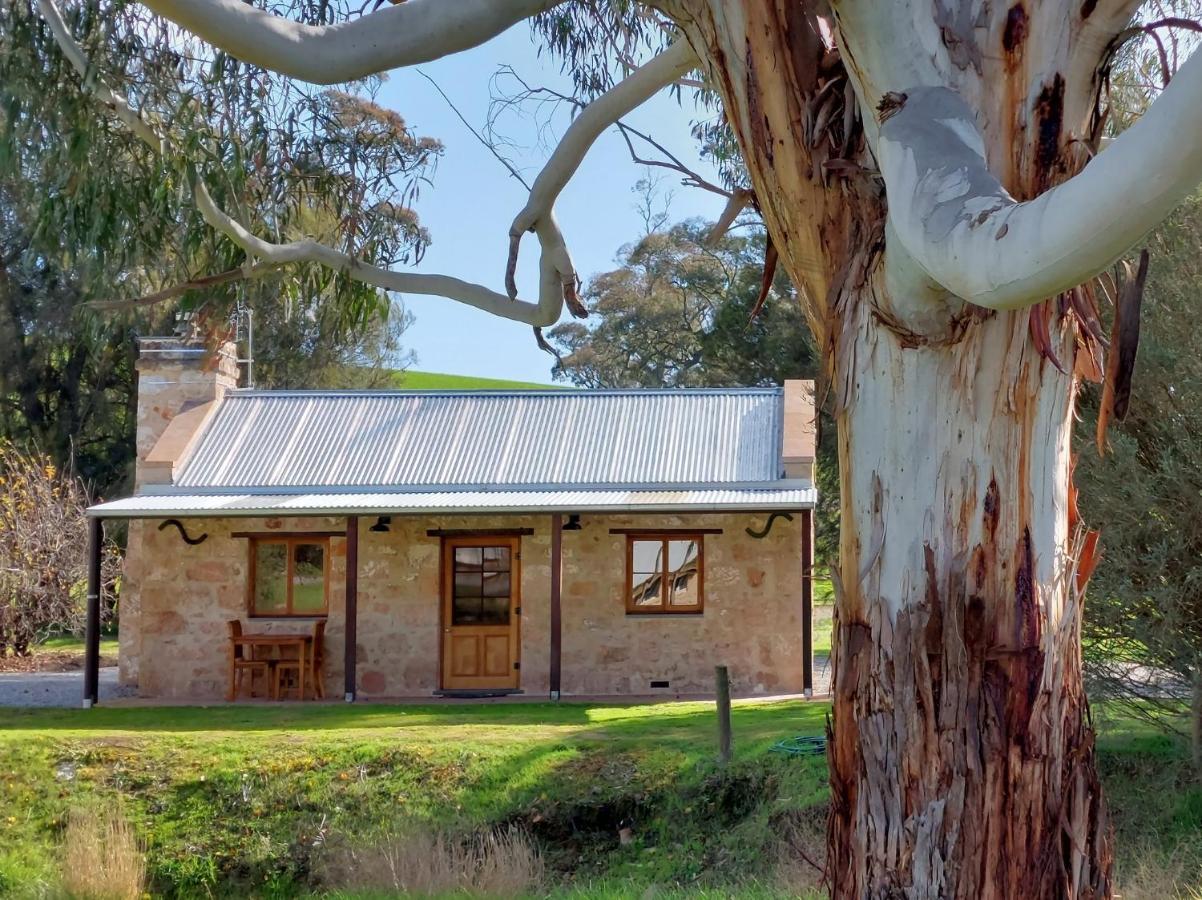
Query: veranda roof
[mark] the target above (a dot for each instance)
(448, 503)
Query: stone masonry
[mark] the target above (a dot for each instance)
(751, 622)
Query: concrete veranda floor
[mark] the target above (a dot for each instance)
(65, 689)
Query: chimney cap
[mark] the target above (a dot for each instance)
(171, 344)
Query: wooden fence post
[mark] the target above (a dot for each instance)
(722, 677)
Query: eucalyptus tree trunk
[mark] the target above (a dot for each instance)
(962, 761)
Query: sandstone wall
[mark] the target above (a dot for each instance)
(752, 618)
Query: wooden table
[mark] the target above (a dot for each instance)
(299, 641)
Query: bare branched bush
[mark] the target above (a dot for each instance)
(102, 858)
(43, 551)
(419, 863)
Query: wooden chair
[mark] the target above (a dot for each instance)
(313, 663)
(240, 664)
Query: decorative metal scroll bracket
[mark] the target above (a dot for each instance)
(190, 541)
(760, 535)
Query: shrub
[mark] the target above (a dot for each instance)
(43, 551)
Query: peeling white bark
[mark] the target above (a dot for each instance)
(953, 217)
(406, 34)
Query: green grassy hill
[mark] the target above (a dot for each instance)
(435, 381)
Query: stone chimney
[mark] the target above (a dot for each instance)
(179, 384)
(800, 430)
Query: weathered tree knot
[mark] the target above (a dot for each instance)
(890, 104)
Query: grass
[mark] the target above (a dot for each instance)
(241, 799)
(256, 801)
(69, 642)
(824, 607)
(434, 381)
(61, 653)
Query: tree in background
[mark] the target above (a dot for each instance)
(99, 242)
(311, 349)
(1145, 495)
(933, 178)
(678, 313)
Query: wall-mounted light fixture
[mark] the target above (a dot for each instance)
(573, 522)
(383, 524)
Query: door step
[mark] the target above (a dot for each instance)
(478, 694)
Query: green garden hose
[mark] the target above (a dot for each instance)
(800, 745)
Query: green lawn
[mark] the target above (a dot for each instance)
(231, 799)
(248, 800)
(108, 645)
(824, 606)
(434, 381)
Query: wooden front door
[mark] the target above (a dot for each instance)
(481, 602)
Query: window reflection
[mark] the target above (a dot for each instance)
(482, 586)
(271, 578)
(664, 574)
(683, 570)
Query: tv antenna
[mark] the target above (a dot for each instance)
(242, 320)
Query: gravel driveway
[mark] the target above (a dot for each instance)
(57, 688)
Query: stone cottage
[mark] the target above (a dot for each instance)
(553, 543)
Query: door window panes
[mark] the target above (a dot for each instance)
(482, 586)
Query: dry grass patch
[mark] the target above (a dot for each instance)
(102, 858)
(418, 863)
(801, 856)
(1153, 874)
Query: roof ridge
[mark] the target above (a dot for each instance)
(498, 392)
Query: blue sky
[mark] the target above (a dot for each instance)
(473, 200)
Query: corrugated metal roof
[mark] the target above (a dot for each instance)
(464, 440)
(449, 502)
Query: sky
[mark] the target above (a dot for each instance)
(473, 199)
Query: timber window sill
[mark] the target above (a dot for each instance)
(690, 614)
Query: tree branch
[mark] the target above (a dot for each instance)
(557, 276)
(192, 284)
(555, 268)
(738, 202)
(952, 218)
(117, 104)
(476, 134)
(414, 32)
(603, 112)
(691, 178)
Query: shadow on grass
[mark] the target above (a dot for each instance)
(757, 720)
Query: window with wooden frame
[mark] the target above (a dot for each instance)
(664, 574)
(289, 576)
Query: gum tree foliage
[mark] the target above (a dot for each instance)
(935, 179)
(1145, 495)
(91, 220)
